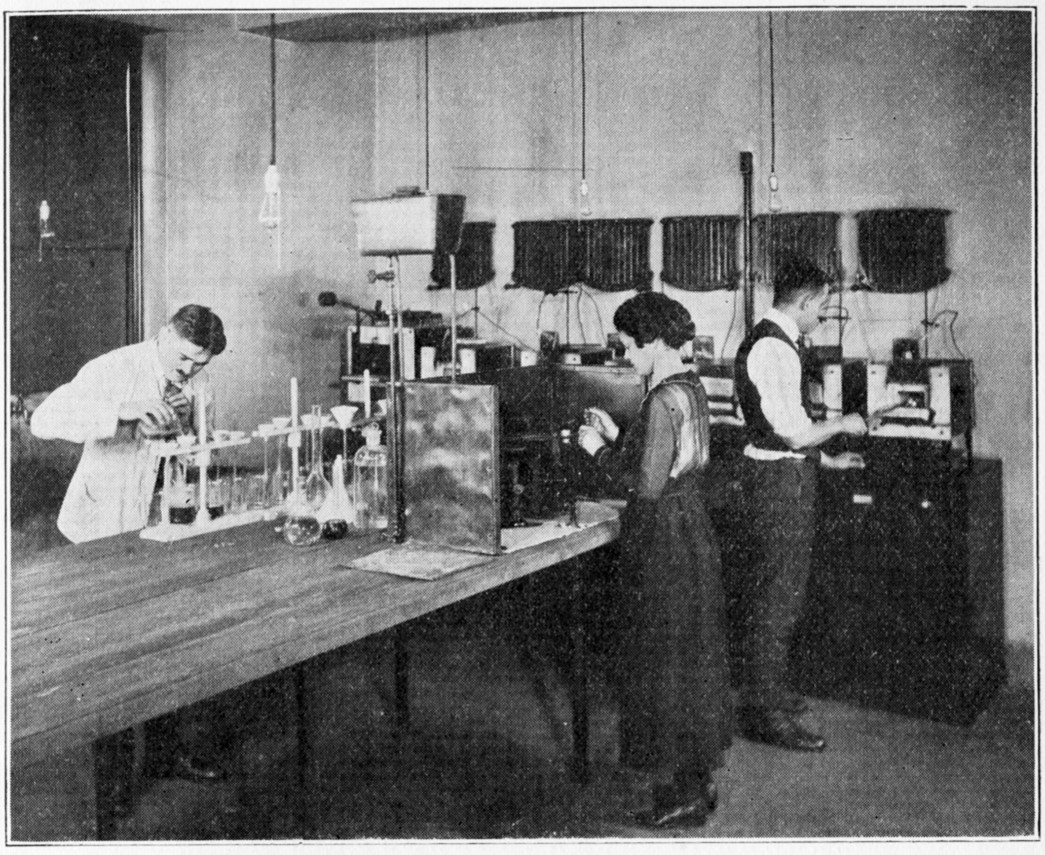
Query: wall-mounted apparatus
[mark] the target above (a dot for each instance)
(700, 253)
(903, 250)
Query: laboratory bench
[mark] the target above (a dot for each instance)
(109, 634)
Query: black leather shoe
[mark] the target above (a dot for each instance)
(775, 727)
(672, 809)
(194, 769)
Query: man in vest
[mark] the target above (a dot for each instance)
(778, 476)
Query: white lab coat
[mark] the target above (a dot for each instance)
(112, 487)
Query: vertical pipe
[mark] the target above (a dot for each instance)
(394, 396)
(746, 172)
(453, 318)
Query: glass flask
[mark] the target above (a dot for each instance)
(317, 488)
(337, 515)
(370, 481)
(301, 526)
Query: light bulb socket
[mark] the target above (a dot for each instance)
(774, 185)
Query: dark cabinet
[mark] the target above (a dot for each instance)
(903, 607)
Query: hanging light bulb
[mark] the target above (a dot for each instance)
(585, 206)
(269, 216)
(775, 204)
(45, 220)
(45, 228)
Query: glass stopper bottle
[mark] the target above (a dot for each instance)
(370, 481)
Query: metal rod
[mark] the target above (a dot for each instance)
(397, 520)
(746, 172)
(453, 318)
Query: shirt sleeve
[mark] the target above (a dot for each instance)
(658, 451)
(82, 409)
(776, 371)
(641, 463)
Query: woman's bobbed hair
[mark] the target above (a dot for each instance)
(652, 315)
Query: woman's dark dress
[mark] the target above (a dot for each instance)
(675, 707)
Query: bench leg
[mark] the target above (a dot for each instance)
(578, 674)
(401, 677)
(54, 799)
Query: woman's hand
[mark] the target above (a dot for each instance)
(589, 439)
(600, 420)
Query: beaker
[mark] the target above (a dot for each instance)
(183, 489)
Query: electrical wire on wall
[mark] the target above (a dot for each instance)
(598, 314)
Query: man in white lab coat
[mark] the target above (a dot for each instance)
(114, 405)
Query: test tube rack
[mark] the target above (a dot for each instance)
(166, 531)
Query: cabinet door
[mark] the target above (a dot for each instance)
(74, 110)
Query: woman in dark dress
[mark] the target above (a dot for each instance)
(676, 716)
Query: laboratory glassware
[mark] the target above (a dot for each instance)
(370, 481)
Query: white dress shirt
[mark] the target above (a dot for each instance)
(776, 371)
(112, 487)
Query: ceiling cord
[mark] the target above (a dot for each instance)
(427, 143)
(272, 64)
(772, 101)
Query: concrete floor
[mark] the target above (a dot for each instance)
(485, 756)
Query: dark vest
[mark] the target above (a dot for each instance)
(759, 431)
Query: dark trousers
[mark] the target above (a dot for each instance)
(780, 503)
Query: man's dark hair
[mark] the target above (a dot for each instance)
(795, 277)
(652, 315)
(201, 326)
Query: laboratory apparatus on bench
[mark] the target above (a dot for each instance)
(194, 495)
(921, 398)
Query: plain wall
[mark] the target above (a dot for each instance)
(873, 109)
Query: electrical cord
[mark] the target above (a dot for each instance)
(580, 320)
(598, 314)
(950, 327)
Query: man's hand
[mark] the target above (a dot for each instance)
(874, 420)
(854, 424)
(589, 439)
(844, 460)
(155, 416)
(600, 420)
(179, 401)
